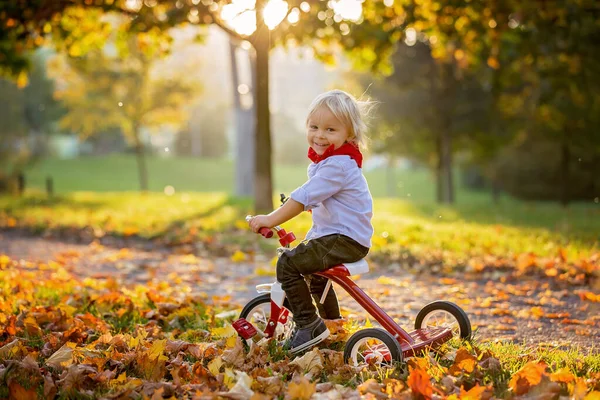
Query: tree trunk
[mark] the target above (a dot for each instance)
(446, 143)
(439, 169)
(391, 179)
(141, 160)
(263, 189)
(565, 164)
(244, 132)
(447, 115)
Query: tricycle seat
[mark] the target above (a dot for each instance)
(349, 269)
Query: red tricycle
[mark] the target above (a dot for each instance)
(269, 315)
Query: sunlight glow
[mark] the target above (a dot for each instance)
(350, 10)
(294, 16)
(133, 5)
(410, 37)
(274, 12)
(241, 15)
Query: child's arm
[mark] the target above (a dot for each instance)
(287, 211)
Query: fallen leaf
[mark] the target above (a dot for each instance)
(62, 357)
(527, 377)
(18, 392)
(301, 389)
(310, 363)
(420, 383)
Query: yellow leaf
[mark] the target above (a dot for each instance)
(156, 350)
(368, 323)
(595, 395)
(4, 260)
(215, 366)
(230, 342)
(22, 80)
(301, 390)
(229, 378)
(11, 222)
(226, 331)
(238, 256)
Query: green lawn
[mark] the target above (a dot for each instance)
(119, 173)
(474, 227)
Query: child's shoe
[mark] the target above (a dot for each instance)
(307, 337)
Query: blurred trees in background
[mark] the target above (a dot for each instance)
(508, 88)
(28, 115)
(512, 88)
(123, 86)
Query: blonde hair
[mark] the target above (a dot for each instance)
(348, 110)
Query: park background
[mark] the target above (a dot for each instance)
(157, 125)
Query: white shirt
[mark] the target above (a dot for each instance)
(340, 200)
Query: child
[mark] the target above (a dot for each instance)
(342, 207)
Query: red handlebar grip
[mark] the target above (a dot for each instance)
(266, 232)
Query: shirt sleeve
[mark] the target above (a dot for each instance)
(326, 182)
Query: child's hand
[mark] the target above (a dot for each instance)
(259, 221)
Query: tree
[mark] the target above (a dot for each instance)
(27, 120)
(368, 30)
(123, 90)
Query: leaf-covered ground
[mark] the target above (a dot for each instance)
(125, 318)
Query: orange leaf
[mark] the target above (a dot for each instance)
(130, 230)
(420, 383)
(18, 392)
(562, 254)
(475, 393)
(563, 375)
(527, 377)
(526, 260)
(537, 312)
(579, 389)
(464, 361)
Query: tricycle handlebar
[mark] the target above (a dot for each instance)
(266, 232)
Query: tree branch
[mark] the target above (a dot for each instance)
(227, 29)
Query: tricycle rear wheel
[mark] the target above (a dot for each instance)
(447, 315)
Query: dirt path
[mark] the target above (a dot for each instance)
(525, 311)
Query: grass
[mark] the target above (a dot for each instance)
(473, 227)
(115, 173)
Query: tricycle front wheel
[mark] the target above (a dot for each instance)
(258, 312)
(372, 347)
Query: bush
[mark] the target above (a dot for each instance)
(533, 170)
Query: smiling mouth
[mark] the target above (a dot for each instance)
(322, 146)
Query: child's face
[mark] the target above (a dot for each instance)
(324, 129)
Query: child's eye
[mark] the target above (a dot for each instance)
(330, 130)
(313, 127)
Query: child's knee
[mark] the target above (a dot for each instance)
(283, 267)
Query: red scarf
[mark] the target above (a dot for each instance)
(347, 149)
